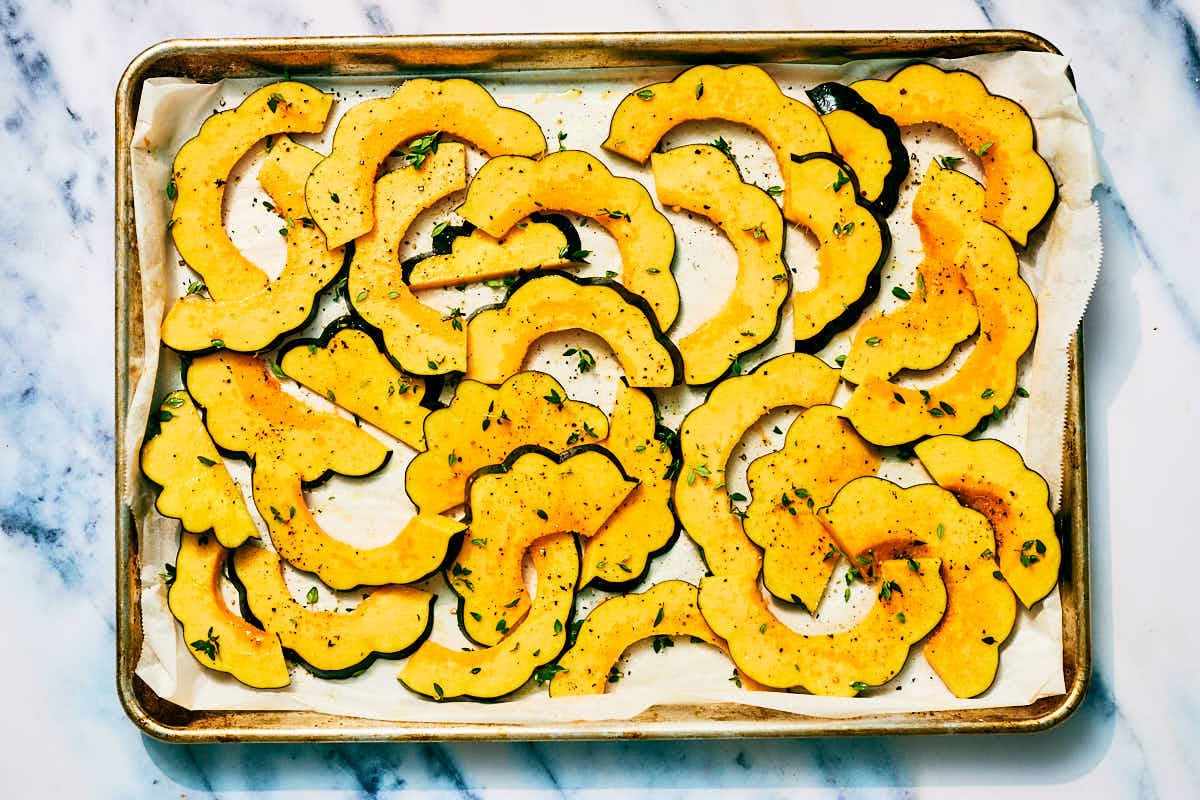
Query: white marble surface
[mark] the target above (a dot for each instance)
(63, 734)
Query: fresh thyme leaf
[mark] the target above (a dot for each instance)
(644, 94)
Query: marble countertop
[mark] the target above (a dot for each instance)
(63, 733)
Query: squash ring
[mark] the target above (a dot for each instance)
(341, 189)
(506, 190)
(500, 335)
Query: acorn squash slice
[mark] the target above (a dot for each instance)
(703, 180)
(421, 339)
(499, 336)
(708, 436)
(876, 520)
(479, 256)
(835, 665)
(202, 167)
(441, 673)
(506, 190)
(348, 366)
(218, 638)
(887, 414)
(532, 494)
(822, 454)
(390, 622)
(482, 425)
(258, 319)
(823, 196)
(342, 187)
(196, 487)
(940, 311)
(665, 609)
(869, 142)
(1021, 189)
(618, 556)
(991, 477)
(743, 94)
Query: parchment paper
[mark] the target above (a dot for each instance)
(1061, 265)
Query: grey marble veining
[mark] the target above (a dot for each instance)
(63, 734)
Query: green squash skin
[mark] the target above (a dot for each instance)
(1057, 196)
(433, 383)
(663, 434)
(336, 674)
(498, 469)
(629, 297)
(566, 625)
(443, 242)
(854, 310)
(184, 363)
(830, 97)
(343, 272)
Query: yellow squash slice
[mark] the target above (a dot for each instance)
(196, 487)
(991, 477)
(708, 436)
(701, 179)
(499, 336)
(443, 673)
(507, 190)
(909, 605)
(876, 520)
(216, 637)
(533, 494)
(202, 167)
(254, 321)
(390, 622)
(482, 425)
(421, 339)
(342, 187)
(479, 256)
(822, 454)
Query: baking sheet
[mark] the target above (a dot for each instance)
(1060, 269)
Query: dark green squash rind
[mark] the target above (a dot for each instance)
(854, 310)
(831, 96)
(326, 674)
(629, 297)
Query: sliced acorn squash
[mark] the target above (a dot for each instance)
(216, 637)
(822, 454)
(1021, 190)
(390, 622)
(248, 414)
(838, 664)
(665, 609)
(618, 556)
(701, 179)
(876, 520)
(940, 311)
(479, 256)
(342, 187)
(823, 196)
(482, 425)
(202, 167)
(507, 190)
(348, 366)
(196, 487)
(254, 321)
(708, 436)
(991, 477)
(532, 494)
(416, 552)
(743, 94)
(869, 142)
(499, 336)
(421, 339)
(444, 674)
(887, 414)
